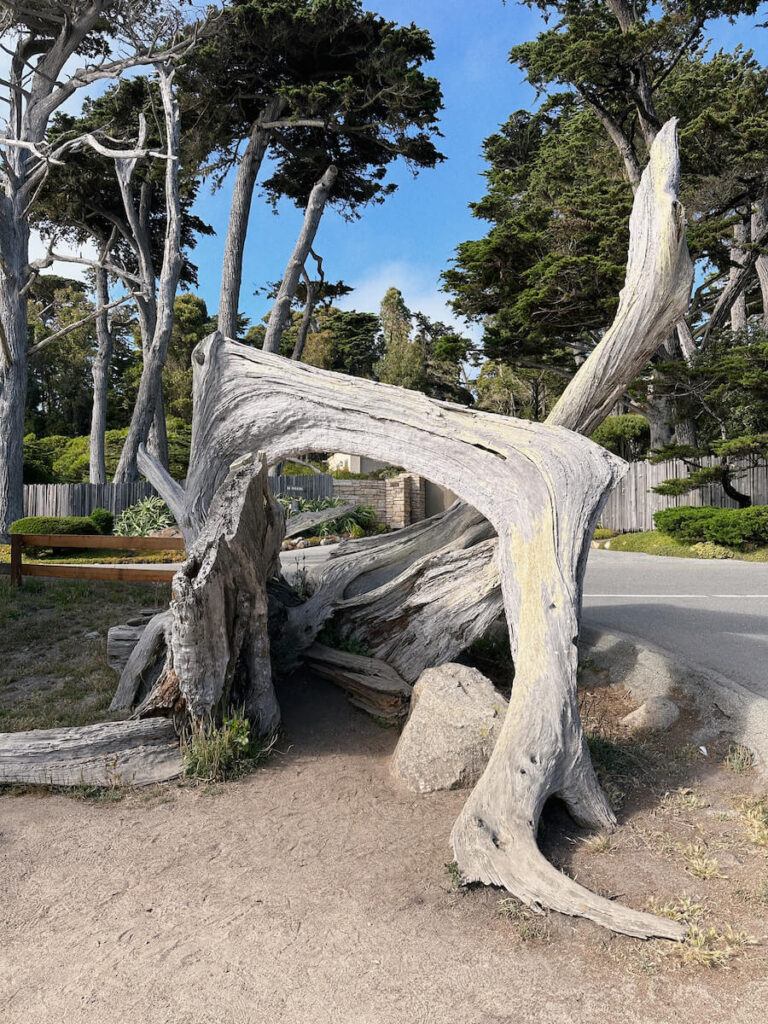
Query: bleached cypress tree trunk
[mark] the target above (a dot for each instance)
(100, 374)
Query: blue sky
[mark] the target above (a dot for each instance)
(407, 241)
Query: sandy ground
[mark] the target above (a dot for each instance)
(315, 890)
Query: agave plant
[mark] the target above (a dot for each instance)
(144, 517)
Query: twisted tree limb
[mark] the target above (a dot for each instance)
(541, 488)
(654, 298)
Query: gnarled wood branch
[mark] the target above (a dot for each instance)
(542, 489)
(655, 296)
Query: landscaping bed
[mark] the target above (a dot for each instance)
(654, 542)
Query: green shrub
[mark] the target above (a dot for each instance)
(355, 522)
(142, 518)
(685, 523)
(60, 525)
(67, 459)
(39, 456)
(739, 528)
(628, 436)
(103, 520)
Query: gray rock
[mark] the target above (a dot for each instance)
(456, 715)
(657, 713)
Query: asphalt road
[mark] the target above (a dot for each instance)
(711, 613)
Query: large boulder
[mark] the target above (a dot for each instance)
(456, 714)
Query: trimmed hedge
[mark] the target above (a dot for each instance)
(54, 525)
(739, 528)
(103, 519)
(99, 521)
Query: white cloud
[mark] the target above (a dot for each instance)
(77, 271)
(420, 288)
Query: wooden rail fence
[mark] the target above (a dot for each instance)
(137, 574)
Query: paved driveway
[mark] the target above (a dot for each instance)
(711, 613)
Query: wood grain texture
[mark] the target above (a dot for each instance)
(109, 754)
(541, 488)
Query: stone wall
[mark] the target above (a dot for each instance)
(398, 501)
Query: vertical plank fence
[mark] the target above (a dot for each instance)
(631, 504)
(82, 499)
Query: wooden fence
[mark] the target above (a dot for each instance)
(632, 503)
(138, 574)
(82, 499)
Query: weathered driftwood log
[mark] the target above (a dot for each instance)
(542, 489)
(219, 644)
(110, 754)
(308, 520)
(395, 598)
(145, 663)
(370, 683)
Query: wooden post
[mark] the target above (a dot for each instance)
(15, 560)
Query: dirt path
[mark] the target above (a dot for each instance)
(315, 891)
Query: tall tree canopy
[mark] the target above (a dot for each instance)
(314, 83)
(544, 281)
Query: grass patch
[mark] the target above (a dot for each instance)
(684, 909)
(54, 672)
(90, 556)
(652, 542)
(212, 753)
(699, 863)
(682, 800)
(454, 873)
(597, 844)
(529, 926)
(739, 758)
(706, 947)
(754, 813)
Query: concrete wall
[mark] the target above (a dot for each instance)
(437, 498)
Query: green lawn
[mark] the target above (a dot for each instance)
(652, 542)
(86, 556)
(54, 669)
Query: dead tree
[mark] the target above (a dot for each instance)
(540, 487)
(535, 491)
